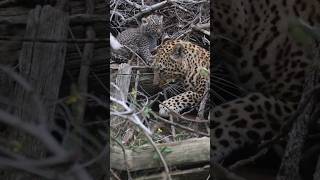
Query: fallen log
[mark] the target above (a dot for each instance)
(188, 152)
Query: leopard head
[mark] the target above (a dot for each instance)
(167, 63)
(175, 59)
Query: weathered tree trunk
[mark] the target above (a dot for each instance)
(123, 80)
(42, 65)
(86, 60)
(316, 174)
(289, 169)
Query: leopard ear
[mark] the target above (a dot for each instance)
(177, 52)
(178, 48)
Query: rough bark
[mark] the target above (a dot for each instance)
(85, 65)
(42, 65)
(123, 80)
(196, 173)
(77, 19)
(316, 174)
(289, 169)
(188, 152)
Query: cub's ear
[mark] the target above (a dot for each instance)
(161, 18)
(177, 52)
(144, 21)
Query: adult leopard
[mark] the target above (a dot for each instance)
(185, 61)
(270, 64)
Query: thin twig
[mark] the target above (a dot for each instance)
(248, 160)
(221, 173)
(124, 156)
(47, 40)
(173, 130)
(179, 125)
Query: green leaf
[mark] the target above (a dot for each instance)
(302, 32)
(164, 151)
(134, 93)
(204, 71)
(147, 111)
(74, 95)
(17, 146)
(167, 150)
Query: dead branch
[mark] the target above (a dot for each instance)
(6, 162)
(147, 10)
(248, 160)
(48, 40)
(201, 28)
(75, 19)
(187, 152)
(195, 173)
(7, 3)
(316, 174)
(129, 114)
(220, 173)
(179, 125)
(33, 129)
(136, 5)
(41, 133)
(86, 59)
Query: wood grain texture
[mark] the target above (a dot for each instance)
(188, 152)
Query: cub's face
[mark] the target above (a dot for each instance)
(152, 24)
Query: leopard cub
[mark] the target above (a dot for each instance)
(143, 39)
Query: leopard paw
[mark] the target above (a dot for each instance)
(163, 111)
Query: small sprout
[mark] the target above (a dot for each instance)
(147, 111)
(159, 130)
(164, 151)
(302, 32)
(114, 107)
(134, 93)
(204, 71)
(74, 95)
(72, 99)
(167, 150)
(300, 35)
(17, 146)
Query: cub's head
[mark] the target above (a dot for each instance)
(152, 25)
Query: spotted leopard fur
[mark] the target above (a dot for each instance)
(270, 64)
(186, 61)
(141, 40)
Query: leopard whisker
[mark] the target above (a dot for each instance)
(218, 96)
(230, 83)
(173, 89)
(226, 91)
(226, 84)
(217, 74)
